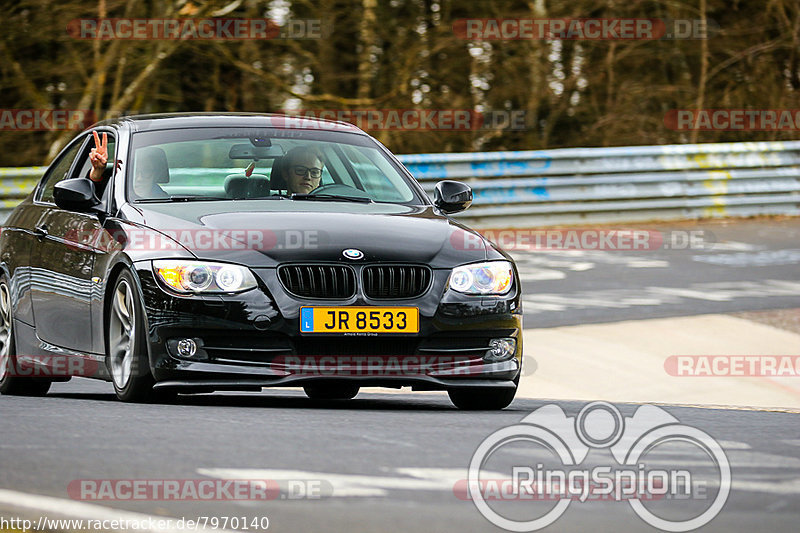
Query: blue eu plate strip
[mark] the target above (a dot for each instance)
(307, 319)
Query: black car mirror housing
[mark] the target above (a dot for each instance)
(75, 194)
(452, 196)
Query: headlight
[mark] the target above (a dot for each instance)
(195, 276)
(494, 277)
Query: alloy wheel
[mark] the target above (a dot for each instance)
(6, 325)
(122, 334)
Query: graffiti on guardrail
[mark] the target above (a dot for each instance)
(580, 186)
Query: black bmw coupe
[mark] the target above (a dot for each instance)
(236, 252)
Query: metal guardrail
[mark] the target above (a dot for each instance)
(15, 184)
(622, 184)
(591, 185)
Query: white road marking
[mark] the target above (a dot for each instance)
(714, 296)
(566, 301)
(532, 261)
(581, 267)
(393, 442)
(541, 274)
(647, 263)
(444, 479)
(780, 504)
(679, 449)
(734, 445)
(357, 485)
(653, 296)
(734, 246)
(750, 259)
(87, 511)
(789, 486)
(641, 301)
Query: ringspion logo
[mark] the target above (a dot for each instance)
(557, 447)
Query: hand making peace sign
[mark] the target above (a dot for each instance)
(99, 157)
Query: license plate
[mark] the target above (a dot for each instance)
(359, 320)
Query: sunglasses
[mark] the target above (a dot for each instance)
(300, 170)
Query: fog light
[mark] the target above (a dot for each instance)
(187, 348)
(501, 349)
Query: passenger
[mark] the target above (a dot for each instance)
(150, 167)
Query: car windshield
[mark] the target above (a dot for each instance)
(255, 163)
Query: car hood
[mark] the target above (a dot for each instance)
(266, 233)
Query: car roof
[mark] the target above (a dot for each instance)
(164, 121)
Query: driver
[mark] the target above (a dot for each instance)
(151, 164)
(302, 169)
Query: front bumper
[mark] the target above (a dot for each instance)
(252, 340)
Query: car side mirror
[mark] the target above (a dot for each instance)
(452, 196)
(75, 194)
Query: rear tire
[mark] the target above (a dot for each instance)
(126, 343)
(331, 392)
(488, 399)
(10, 382)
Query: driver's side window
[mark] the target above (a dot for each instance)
(80, 149)
(84, 165)
(59, 171)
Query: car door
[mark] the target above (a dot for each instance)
(62, 262)
(18, 237)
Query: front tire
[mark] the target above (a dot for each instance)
(488, 399)
(10, 382)
(126, 343)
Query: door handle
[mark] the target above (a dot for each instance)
(41, 231)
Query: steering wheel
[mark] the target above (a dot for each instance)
(339, 189)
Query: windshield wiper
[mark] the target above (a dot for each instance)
(332, 198)
(180, 199)
(270, 197)
(205, 198)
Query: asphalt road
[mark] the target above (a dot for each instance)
(686, 269)
(382, 462)
(390, 462)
